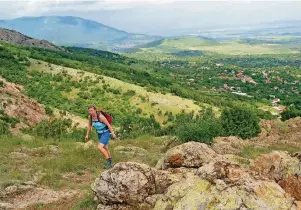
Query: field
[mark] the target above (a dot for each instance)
(171, 47)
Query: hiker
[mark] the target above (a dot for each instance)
(104, 131)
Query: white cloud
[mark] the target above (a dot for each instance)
(38, 7)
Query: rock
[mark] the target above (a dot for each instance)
(131, 150)
(40, 151)
(228, 145)
(11, 189)
(16, 189)
(54, 149)
(195, 177)
(226, 171)
(164, 179)
(112, 207)
(151, 200)
(243, 162)
(298, 205)
(85, 146)
(20, 106)
(40, 195)
(197, 193)
(38, 176)
(6, 206)
(18, 155)
(297, 155)
(292, 185)
(189, 155)
(126, 183)
(275, 165)
(27, 137)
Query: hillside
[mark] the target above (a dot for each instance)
(190, 97)
(173, 48)
(15, 37)
(75, 31)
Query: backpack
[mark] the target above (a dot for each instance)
(105, 114)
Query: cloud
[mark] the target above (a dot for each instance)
(39, 7)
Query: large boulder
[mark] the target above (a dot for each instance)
(200, 193)
(126, 183)
(189, 155)
(195, 177)
(276, 165)
(228, 145)
(292, 185)
(222, 170)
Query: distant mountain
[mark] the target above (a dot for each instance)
(15, 37)
(75, 31)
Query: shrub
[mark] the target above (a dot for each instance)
(3, 128)
(202, 131)
(48, 110)
(240, 122)
(290, 112)
(54, 128)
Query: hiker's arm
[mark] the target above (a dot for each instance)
(105, 121)
(88, 129)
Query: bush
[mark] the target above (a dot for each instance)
(202, 131)
(290, 112)
(3, 128)
(240, 122)
(48, 110)
(54, 128)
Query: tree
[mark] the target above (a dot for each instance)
(240, 122)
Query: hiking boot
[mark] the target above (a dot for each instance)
(107, 165)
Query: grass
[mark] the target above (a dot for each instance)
(73, 168)
(164, 102)
(251, 151)
(71, 159)
(165, 50)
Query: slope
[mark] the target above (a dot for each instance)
(15, 37)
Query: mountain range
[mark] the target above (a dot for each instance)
(75, 31)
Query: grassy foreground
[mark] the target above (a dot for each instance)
(67, 164)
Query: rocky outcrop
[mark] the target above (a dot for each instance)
(276, 166)
(15, 37)
(228, 145)
(26, 195)
(19, 106)
(189, 155)
(195, 177)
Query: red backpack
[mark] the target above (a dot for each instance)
(105, 114)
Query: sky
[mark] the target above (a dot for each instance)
(159, 17)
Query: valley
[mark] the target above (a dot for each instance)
(171, 100)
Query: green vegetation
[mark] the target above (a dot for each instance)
(240, 122)
(219, 94)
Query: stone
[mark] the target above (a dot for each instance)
(126, 183)
(228, 145)
(189, 155)
(275, 165)
(151, 200)
(85, 146)
(292, 185)
(131, 150)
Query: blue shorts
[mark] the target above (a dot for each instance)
(104, 137)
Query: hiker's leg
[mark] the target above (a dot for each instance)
(103, 150)
(106, 147)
